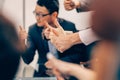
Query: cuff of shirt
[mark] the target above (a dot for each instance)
(88, 36)
(83, 6)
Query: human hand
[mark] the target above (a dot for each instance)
(22, 33)
(46, 32)
(54, 63)
(71, 4)
(59, 70)
(53, 71)
(59, 38)
(48, 64)
(62, 43)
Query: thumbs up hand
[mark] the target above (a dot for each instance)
(22, 33)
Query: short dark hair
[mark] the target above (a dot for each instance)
(51, 5)
(9, 52)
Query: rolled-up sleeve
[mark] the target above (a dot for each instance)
(84, 5)
(88, 36)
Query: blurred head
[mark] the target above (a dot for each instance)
(106, 19)
(46, 10)
(10, 49)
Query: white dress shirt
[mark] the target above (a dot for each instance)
(87, 36)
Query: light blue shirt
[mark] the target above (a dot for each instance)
(52, 49)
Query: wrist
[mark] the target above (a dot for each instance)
(75, 38)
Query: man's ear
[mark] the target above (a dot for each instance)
(54, 16)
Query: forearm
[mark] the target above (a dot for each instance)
(74, 38)
(29, 51)
(22, 42)
(82, 73)
(85, 36)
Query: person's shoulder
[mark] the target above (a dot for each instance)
(33, 26)
(61, 20)
(67, 25)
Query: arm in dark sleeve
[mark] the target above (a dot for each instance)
(30, 51)
(76, 54)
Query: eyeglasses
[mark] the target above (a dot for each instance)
(39, 14)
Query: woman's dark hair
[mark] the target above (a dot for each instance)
(9, 49)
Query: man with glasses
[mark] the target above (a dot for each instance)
(46, 11)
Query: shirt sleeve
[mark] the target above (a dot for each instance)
(28, 56)
(84, 5)
(88, 36)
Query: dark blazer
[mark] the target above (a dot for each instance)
(37, 42)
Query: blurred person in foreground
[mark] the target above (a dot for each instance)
(10, 49)
(105, 56)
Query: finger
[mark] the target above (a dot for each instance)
(57, 74)
(48, 64)
(50, 56)
(61, 50)
(67, 1)
(71, 5)
(46, 31)
(60, 78)
(21, 28)
(59, 28)
(52, 36)
(47, 25)
(68, 8)
(67, 5)
(55, 64)
(52, 59)
(55, 32)
(57, 25)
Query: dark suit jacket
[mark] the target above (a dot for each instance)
(35, 42)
